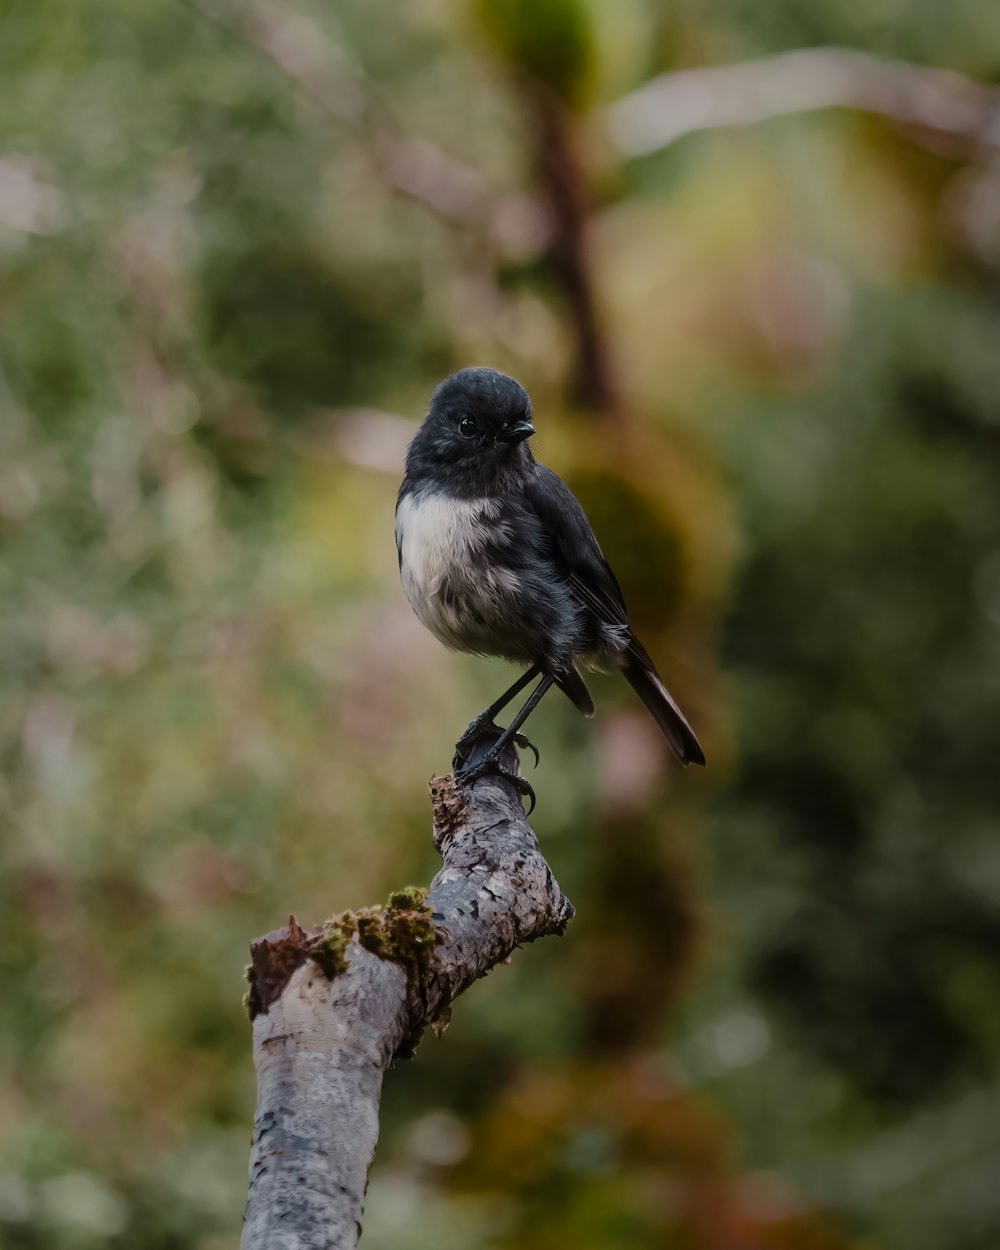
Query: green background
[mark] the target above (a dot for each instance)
(238, 246)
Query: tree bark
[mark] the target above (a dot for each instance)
(332, 1008)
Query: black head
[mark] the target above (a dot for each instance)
(475, 431)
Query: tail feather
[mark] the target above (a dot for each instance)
(642, 676)
(574, 687)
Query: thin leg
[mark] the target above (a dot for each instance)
(531, 703)
(499, 705)
(485, 719)
(490, 761)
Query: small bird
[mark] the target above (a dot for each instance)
(497, 557)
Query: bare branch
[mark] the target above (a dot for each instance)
(332, 1008)
(937, 103)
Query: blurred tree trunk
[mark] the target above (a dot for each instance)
(566, 195)
(331, 1009)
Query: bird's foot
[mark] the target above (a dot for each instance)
(483, 723)
(485, 728)
(467, 774)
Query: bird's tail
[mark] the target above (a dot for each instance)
(645, 681)
(574, 687)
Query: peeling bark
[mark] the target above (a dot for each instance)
(333, 1007)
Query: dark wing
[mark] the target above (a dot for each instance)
(574, 549)
(404, 490)
(578, 558)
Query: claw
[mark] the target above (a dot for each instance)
(526, 744)
(469, 774)
(527, 790)
(465, 746)
(480, 728)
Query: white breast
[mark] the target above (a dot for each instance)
(440, 543)
(437, 535)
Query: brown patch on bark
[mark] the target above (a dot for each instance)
(273, 960)
(450, 805)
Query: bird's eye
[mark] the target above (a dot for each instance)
(467, 427)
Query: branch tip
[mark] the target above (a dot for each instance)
(273, 960)
(566, 913)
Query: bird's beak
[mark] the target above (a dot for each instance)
(516, 433)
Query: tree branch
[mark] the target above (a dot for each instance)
(332, 1008)
(936, 103)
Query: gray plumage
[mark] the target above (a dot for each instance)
(498, 558)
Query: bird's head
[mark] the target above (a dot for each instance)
(476, 427)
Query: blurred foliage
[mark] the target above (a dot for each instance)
(547, 41)
(236, 241)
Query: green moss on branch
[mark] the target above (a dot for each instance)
(402, 931)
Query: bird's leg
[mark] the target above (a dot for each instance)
(498, 705)
(490, 762)
(485, 721)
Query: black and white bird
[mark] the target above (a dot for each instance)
(498, 558)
